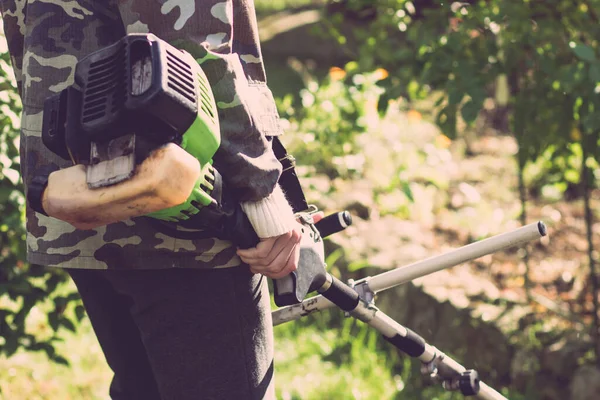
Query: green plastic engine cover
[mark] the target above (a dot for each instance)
(202, 139)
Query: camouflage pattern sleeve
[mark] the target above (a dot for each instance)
(47, 38)
(13, 17)
(208, 30)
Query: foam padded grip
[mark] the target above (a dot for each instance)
(334, 223)
(342, 295)
(412, 344)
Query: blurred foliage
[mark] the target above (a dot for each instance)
(22, 286)
(329, 117)
(334, 359)
(267, 7)
(539, 60)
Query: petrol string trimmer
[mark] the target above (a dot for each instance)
(140, 125)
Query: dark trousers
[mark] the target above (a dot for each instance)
(182, 334)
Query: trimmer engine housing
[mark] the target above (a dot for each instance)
(129, 99)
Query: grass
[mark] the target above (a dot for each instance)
(315, 362)
(31, 376)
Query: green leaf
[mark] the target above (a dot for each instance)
(591, 122)
(334, 256)
(382, 105)
(470, 111)
(6, 86)
(10, 346)
(60, 360)
(352, 66)
(53, 281)
(20, 287)
(440, 101)
(476, 89)
(67, 323)
(28, 304)
(60, 302)
(80, 312)
(358, 265)
(53, 320)
(455, 97)
(405, 187)
(73, 296)
(5, 193)
(446, 120)
(595, 72)
(47, 347)
(583, 52)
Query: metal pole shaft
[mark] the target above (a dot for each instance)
(407, 273)
(487, 393)
(407, 341)
(297, 311)
(455, 257)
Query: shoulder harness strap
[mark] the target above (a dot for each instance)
(289, 182)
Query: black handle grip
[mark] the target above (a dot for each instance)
(240, 229)
(37, 186)
(342, 295)
(410, 343)
(334, 223)
(53, 124)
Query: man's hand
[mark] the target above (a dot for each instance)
(277, 256)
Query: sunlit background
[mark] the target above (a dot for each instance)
(436, 124)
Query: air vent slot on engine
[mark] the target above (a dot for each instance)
(180, 77)
(106, 88)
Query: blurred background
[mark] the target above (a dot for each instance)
(436, 124)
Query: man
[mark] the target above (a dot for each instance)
(176, 318)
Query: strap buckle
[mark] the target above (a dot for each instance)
(306, 218)
(288, 162)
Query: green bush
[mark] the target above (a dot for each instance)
(331, 114)
(537, 60)
(22, 286)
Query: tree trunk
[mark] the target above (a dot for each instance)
(587, 180)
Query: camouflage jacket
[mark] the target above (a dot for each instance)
(46, 38)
